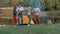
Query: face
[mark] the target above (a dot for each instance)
(19, 5)
(35, 6)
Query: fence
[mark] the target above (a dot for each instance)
(8, 13)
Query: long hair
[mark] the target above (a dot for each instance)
(14, 9)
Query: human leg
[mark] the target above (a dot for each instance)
(15, 20)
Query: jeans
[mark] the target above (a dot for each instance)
(47, 19)
(20, 16)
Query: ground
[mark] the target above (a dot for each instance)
(33, 29)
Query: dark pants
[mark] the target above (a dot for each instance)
(20, 16)
(30, 18)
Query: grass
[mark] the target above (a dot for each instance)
(33, 29)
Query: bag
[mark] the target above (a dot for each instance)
(32, 22)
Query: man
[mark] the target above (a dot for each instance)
(36, 11)
(20, 10)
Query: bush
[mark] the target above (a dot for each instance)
(57, 19)
(6, 21)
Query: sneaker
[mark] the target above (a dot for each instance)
(28, 24)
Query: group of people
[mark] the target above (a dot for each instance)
(19, 11)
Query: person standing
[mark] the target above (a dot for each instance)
(14, 15)
(29, 14)
(36, 11)
(20, 11)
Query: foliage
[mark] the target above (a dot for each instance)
(47, 4)
(6, 21)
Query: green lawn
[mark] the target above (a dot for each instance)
(33, 29)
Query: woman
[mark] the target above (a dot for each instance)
(14, 15)
(36, 11)
(29, 15)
